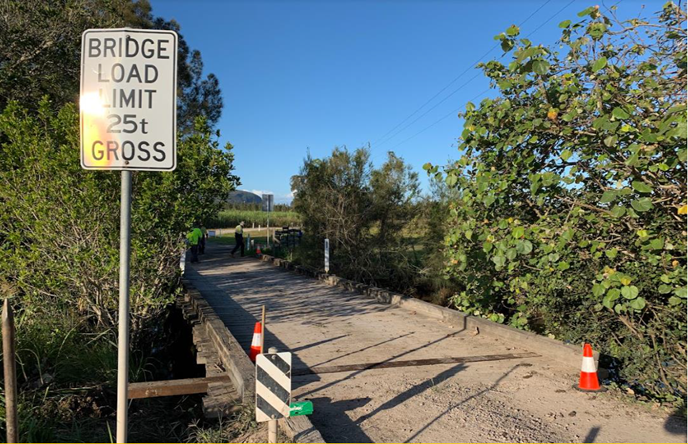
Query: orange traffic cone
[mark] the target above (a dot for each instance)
(255, 343)
(588, 375)
(258, 249)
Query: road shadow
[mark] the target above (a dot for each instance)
(452, 407)
(333, 422)
(315, 344)
(592, 434)
(413, 391)
(676, 423)
(386, 341)
(397, 356)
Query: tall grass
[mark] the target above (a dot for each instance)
(231, 218)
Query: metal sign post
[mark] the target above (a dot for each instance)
(327, 255)
(123, 336)
(128, 116)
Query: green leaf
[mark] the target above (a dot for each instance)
(642, 204)
(563, 266)
(629, 292)
(611, 253)
(499, 261)
(657, 244)
(540, 67)
(619, 113)
(599, 64)
(527, 247)
(598, 290)
(565, 24)
(451, 180)
(618, 211)
(487, 246)
(512, 30)
(637, 304)
(586, 11)
(610, 141)
(597, 30)
(565, 155)
(518, 232)
(674, 300)
(608, 196)
(641, 187)
(681, 292)
(612, 295)
(664, 289)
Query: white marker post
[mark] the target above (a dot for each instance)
(327, 256)
(267, 200)
(128, 115)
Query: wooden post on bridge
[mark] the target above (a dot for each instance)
(262, 336)
(10, 367)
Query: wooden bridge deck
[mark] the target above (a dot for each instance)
(465, 396)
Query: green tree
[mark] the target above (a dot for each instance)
(361, 210)
(40, 53)
(572, 190)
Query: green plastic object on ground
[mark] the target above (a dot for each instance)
(300, 408)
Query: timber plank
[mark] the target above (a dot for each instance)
(173, 387)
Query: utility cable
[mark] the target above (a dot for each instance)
(471, 66)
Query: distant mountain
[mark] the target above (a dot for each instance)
(241, 196)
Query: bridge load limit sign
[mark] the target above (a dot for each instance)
(128, 105)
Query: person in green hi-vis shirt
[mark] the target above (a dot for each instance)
(239, 238)
(194, 238)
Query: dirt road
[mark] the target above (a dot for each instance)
(512, 400)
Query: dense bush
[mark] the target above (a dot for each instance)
(59, 228)
(362, 211)
(571, 216)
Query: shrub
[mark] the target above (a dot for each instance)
(59, 228)
(571, 216)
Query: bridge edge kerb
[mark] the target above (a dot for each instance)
(567, 354)
(241, 370)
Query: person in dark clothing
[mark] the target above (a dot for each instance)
(239, 238)
(204, 236)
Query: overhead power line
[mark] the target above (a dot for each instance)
(452, 112)
(471, 66)
(483, 92)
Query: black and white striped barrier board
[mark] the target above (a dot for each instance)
(273, 386)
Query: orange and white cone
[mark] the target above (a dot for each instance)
(588, 376)
(255, 343)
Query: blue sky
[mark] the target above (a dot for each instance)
(311, 75)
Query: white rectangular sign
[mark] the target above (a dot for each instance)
(268, 201)
(128, 104)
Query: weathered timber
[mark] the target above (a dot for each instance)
(409, 363)
(173, 387)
